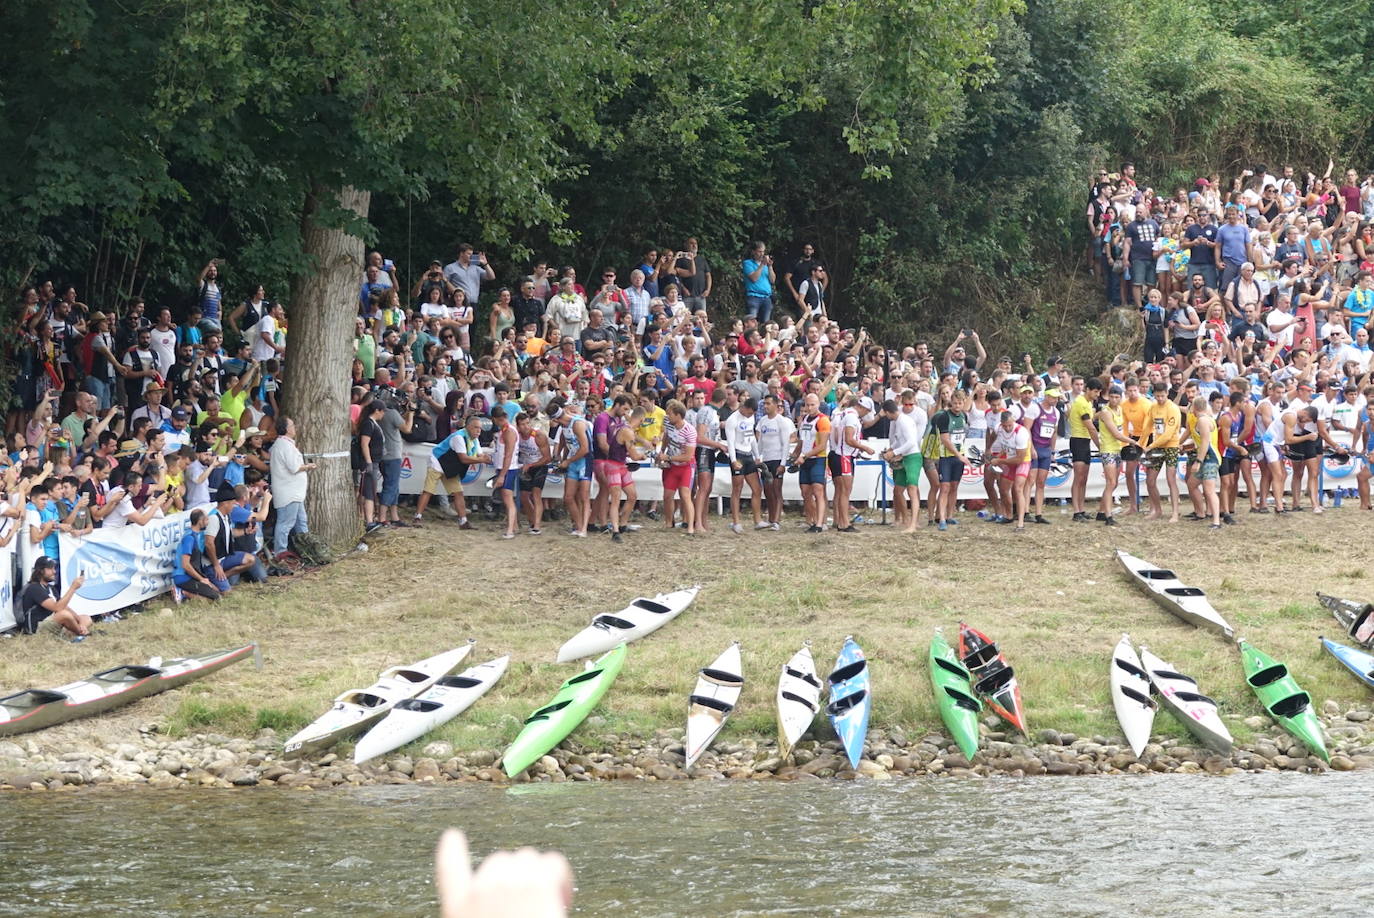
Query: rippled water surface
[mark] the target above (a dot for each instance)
(1165, 845)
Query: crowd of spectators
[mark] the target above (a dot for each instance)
(1253, 305)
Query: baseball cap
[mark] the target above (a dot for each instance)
(179, 414)
(866, 403)
(1053, 393)
(1026, 388)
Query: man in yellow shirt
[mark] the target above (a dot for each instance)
(1134, 411)
(1082, 439)
(1163, 421)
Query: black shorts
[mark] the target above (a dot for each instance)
(1131, 453)
(747, 467)
(1228, 465)
(1309, 449)
(706, 460)
(1081, 449)
(774, 469)
(534, 478)
(840, 465)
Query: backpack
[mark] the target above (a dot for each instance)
(311, 548)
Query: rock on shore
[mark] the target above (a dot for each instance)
(212, 760)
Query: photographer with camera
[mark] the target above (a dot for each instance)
(468, 272)
(759, 279)
(397, 419)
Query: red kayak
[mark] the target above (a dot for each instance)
(993, 677)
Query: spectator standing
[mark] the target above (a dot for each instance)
(802, 271)
(267, 340)
(759, 278)
(289, 484)
(695, 273)
(567, 311)
(1233, 245)
(209, 297)
(468, 271)
(1200, 239)
(1141, 235)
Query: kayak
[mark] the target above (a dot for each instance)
(1188, 603)
(1179, 693)
(1288, 704)
(1135, 709)
(356, 710)
(641, 617)
(551, 724)
(959, 706)
(431, 709)
(36, 709)
(1357, 661)
(710, 704)
(1355, 617)
(994, 679)
(851, 700)
(799, 698)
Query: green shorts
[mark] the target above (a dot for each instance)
(908, 471)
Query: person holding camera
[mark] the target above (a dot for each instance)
(468, 271)
(398, 418)
(759, 279)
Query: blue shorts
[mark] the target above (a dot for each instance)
(813, 471)
(951, 468)
(509, 483)
(581, 470)
(1044, 458)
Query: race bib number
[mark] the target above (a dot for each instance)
(1159, 426)
(1046, 431)
(957, 437)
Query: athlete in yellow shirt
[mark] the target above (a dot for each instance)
(1134, 411)
(1163, 421)
(1082, 438)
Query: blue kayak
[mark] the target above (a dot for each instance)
(1357, 661)
(851, 700)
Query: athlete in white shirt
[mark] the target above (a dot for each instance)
(903, 453)
(775, 433)
(741, 445)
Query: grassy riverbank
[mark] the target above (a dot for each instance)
(1054, 597)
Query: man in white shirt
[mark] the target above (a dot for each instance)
(288, 485)
(163, 338)
(177, 430)
(153, 409)
(903, 453)
(775, 432)
(743, 452)
(265, 345)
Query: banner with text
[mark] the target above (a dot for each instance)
(122, 566)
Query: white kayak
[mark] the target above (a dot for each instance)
(431, 709)
(799, 698)
(1135, 709)
(1180, 695)
(641, 617)
(1188, 603)
(712, 701)
(356, 710)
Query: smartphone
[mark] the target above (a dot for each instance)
(388, 264)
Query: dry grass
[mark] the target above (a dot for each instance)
(1054, 598)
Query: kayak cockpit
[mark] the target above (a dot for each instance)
(584, 677)
(1168, 674)
(30, 699)
(721, 677)
(809, 705)
(962, 700)
(951, 667)
(808, 678)
(1194, 698)
(842, 706)
(363, 699)
(1184, 592)
(706, 701)
(127, 674)
(1157, 573)
(847, 672)
(1291, 706)
(648, 605)
(1130, 668)
(608, 622)
(418, 706)
(1138, 697)
(995, 681)
(459, 682)
(1269, 674)
(545, 712)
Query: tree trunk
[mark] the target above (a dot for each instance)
(324, 302)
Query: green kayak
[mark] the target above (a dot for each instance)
(548, 726)
(959, 707)
(1288, 704)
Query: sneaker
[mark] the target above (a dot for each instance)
(535, 531)
(814, 529)
(1041, 519)
(653, 515)
(632, 527)
(507, 535)
(178, 595)
(578, 535)
(761, 526)
(858, 519)
(942, 526)
(952, 522)
(776, 527)
(1101, 517)
(1228, 519)
(1259, 509)
(1111, 522)
(1318, 509)
(372, 527)
(464, 524)
(1080, 517)
(615, 535)
(77, 638)
(1004, 519)
(847, 529)
(416, 523)
(1214, 526)
(736, 528)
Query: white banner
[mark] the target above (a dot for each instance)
(122, 566)
(7, 590)
(872, 478)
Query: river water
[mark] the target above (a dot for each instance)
(1264, 844)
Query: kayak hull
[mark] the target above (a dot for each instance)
(641, 617)
(799, 698)
(412, 718)
(358, 710)
(1283, 698)
(994, 681)
(36, 709)
(550, 725)
(953, 686)
(1187, 603)
(1357, 618)
(712, 701)
(851, 700)
(1130, 686)
(1360, 664)
(1180, 695)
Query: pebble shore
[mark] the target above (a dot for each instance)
(211, 760)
